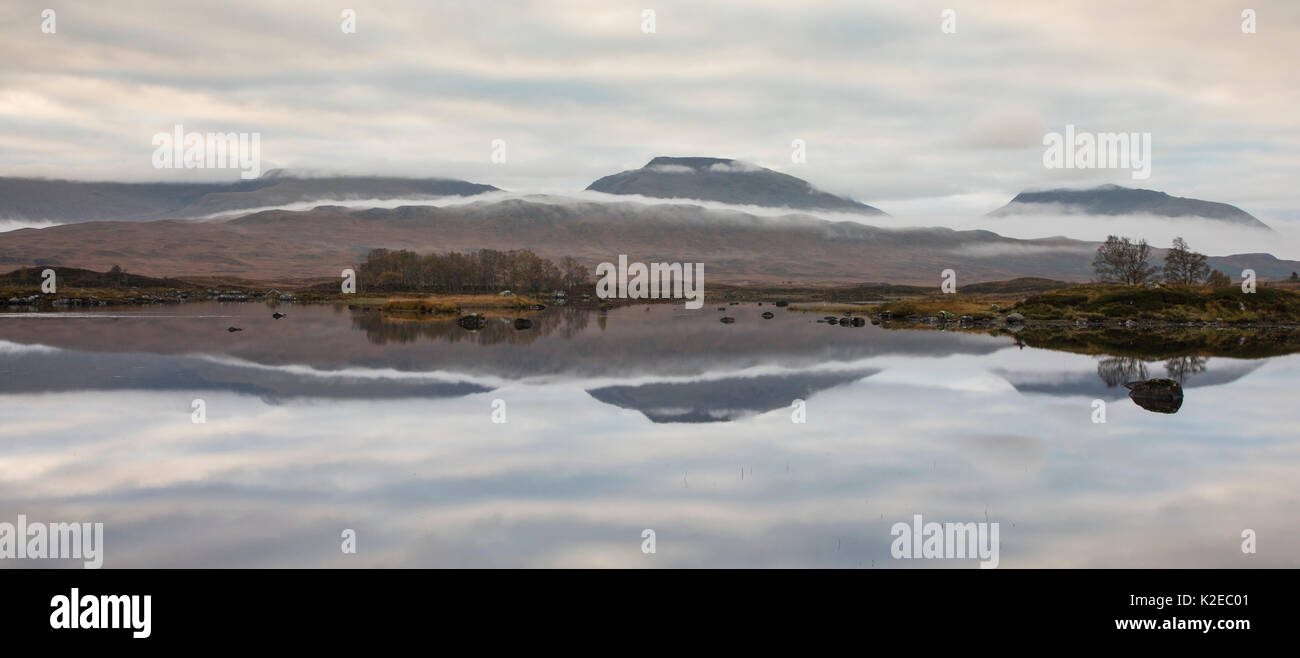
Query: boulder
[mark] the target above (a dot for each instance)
(1015, 318)
(728, 320)
(472, 322)
(1159, 395)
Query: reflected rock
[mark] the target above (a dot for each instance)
(523, 323)
(1159, 395)
(472, 322)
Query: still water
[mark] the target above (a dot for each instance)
(640, 418)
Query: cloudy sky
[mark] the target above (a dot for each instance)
(894, 112)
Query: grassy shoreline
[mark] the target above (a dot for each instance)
(1020, 301)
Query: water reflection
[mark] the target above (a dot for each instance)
(621, 421)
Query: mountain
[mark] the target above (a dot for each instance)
(727, 181)
(74, 201)
(1117, 200)
(735, 247)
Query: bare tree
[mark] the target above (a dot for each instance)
(1124, 261)
(1184, 267)
(1116, 370)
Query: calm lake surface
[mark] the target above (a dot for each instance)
(640, 418)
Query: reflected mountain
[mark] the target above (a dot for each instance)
(1112, 372)
(722, 399)
(44, 371)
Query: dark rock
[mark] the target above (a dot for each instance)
(278, 315)
(1159, 395)
(234, 329)
(728, 320)
(768, 315)
(859, 322)
(472, 322)
(782, 304)
(523, 323)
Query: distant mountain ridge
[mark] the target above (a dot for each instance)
(78, 201)
(727, 181)
(1118, 200)
(736, 247)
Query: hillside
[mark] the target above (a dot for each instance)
(735, 247)
(727, 181)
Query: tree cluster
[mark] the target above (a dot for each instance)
(1121, 260)
(485, 270)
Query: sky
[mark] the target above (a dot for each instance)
(894, 111)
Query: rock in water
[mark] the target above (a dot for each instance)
(472, 322)
(523, 323)
(1015, 318)
(768, 315)
(728, 320)
(1159, 395)
(234, 329)
(278, 315)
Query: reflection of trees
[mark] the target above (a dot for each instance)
(1115, 370)
(381, 328)
(1180, 367)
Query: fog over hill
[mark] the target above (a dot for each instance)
(64, 201)
(1117, 200)
(736, 247)
(725, 180)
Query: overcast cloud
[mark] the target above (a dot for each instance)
(894, 112)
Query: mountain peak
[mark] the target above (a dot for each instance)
(1119, 200)
(725, 180)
